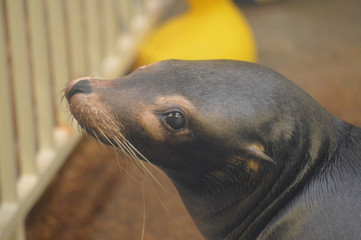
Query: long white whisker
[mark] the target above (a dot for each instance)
(143, 227)
(130, 147)
(124, 169)
(149, 172)
(134, 148)
(128, 154)
(144, 158)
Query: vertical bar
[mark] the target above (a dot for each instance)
(7, 149)
(76, 37)
(20, 233)
(125, 14)
(140, 8)
(152, 8)
(58, 51)
(110, 27)
(21, 77)
(41, 76)
(139, 22)
(93, 36)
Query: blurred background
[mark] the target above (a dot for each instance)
(57, 184)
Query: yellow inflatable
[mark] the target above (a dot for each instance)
(210, 29)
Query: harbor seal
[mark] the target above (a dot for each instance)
(251, 154)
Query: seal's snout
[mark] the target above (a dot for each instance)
(78, 86)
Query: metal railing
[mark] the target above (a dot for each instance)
(43, 45)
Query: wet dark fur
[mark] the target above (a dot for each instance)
(311, 191)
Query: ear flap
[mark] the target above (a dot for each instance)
(258, 151)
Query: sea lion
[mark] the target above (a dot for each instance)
(251, 154)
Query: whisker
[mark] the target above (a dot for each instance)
(144, 158)
(124, 147)
(143, 227)
(112, 144)
(95, 136)
(165, 208)
(132, 149)
(152, 175)
(106, 138)
(124, 169)
(148, 59)
(126, 154)
(120, 143)
(123, 142)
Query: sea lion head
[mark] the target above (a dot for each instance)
(185, 116)
(214, 126)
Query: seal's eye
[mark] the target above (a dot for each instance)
(175, 120)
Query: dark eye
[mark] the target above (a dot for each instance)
(175, 120)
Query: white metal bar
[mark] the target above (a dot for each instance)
(139, 7)
(41, 75)
(19, 233)
(154, 6)
(22, 84)
(7, 148)
(58, 49)
(111, 30)
(140, 21)
(93, 35)
(110, 26)
(76, 37)
(125, 14)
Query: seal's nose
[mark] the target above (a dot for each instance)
(77, 86)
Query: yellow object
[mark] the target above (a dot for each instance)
(210, 29)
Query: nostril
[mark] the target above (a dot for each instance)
(82, 86)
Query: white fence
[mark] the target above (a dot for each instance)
(43, 45)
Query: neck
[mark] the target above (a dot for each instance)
(242, 210)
